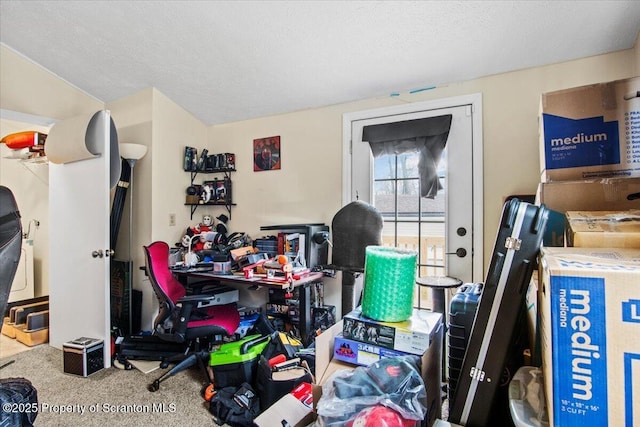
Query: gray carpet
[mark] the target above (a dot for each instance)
(110, 396)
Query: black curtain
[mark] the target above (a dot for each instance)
(427, 136)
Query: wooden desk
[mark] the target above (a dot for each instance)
(237, 281)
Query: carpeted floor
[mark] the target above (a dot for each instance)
(109, 397)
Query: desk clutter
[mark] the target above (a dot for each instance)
(291, 254)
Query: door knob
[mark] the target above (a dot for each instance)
(97, 254)
(109, 252)
(460, 252)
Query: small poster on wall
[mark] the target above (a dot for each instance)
(266, 154)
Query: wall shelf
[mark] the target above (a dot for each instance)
(227, 202)
(194, 206)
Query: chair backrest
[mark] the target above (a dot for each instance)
(10, 245)
(166, 287)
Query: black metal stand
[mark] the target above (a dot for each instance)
(439, 286)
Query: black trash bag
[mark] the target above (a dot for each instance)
(235, 406)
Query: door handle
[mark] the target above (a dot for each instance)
(97, 254)
(109, 252)
(460, 252)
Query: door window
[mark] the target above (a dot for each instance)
(439, 227)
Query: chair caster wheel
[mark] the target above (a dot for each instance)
(153, 387)
(124, 365)
(164, 365)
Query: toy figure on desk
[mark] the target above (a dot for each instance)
(197, 244)
(206, 225)
(222, 230)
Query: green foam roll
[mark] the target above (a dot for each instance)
(389, 280)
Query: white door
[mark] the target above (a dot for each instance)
(444, 230)
(79, 289)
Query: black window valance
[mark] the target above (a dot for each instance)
(426, 136)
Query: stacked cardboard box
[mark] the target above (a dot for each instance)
(327, 364)
(364, 341)
(590, 318)
(588, 296)
(589, 151)
(603, 229)
(591, 132)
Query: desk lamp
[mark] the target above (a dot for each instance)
(191, 259)
(131, 153)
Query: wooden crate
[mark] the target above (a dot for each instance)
(31, 337)
(8, 328)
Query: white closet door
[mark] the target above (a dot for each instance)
(79, 289)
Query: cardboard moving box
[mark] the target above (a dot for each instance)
(603, 229)
(410, 336)
(591, 131)
(430, 362)
(601, 194)
(590, 324)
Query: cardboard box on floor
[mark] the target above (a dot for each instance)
(297, 414)
(293, 409)
(430, 363)
(590, 324)
(603, 229)
(289, 409)
(591, 131)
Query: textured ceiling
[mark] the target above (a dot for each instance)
(226, 61)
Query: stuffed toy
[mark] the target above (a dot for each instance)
(206, 225)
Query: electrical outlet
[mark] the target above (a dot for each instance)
(172, 219)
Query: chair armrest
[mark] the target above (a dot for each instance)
(196, 299)
(198, 288)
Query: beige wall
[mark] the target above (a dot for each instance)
(29, 89)
(29, 183)
(308, 187)
(152, 119)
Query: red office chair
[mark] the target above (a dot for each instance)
(179, 317)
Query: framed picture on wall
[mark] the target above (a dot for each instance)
(266, 154)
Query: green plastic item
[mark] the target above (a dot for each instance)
(389, 281)
(246, 349)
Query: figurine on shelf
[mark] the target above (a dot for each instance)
(205, 195)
